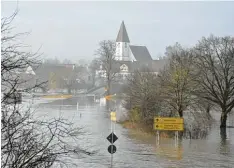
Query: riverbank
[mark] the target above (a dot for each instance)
(192, 129)
(141, 129)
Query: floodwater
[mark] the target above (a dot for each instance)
(137, 151)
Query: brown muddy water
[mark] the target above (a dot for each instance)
(135, 150)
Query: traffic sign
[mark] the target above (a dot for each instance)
(110, 97)
(112, 149)
(112, 138)
(169, 127)
(169, 120)
(113, 116)
(169, 123)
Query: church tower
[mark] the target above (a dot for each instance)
(122, 52)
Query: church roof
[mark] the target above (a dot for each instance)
(141, 53)
(158, 65)
(122, 35)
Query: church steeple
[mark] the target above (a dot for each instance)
(122, 35)
(122, 44)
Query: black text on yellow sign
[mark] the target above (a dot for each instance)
(169, 123)
(169, 127)
(168, 120)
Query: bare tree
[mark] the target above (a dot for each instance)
(106, 53)
(175, 80)
(93, 67)
(215, 62)
(141, 94)
(26, 141)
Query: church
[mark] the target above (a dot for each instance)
(129, 58)
(127, 52)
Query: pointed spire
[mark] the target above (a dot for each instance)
(122, 35)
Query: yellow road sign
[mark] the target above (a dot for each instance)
(169, 127)
(110, 97)
(113, 114)
(113, 118)
(168, 120)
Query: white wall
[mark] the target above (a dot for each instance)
(122, 52)
(118, 51)
(132, 58)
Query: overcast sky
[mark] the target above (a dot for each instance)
(73, 30)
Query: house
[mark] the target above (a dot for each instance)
(56, 77)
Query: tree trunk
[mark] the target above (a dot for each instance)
(223, 120)
(181, 113)
(223, 134)
(181, 132)
(208, 109)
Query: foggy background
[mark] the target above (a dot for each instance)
(72, 30)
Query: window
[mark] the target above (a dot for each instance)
(126, 45)
(124, 68)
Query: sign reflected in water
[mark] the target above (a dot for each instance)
(170, 151)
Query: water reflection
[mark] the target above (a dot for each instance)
(223, 134)
(224, 143)
(169, 149)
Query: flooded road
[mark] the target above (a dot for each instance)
(135, 151)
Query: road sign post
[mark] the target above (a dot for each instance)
(111, 149)
(157, 137)
(176, 138)
(169, 124)
(112, 137)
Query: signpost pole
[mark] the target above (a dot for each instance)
(111, 143)
(157, 137)
(176, 138)
(112, 137)
(112, 156)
